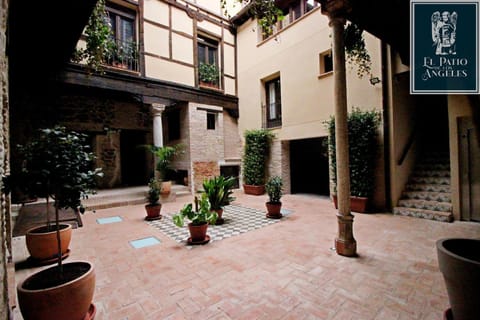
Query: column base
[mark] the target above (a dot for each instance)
(345, 243)
(346, 248)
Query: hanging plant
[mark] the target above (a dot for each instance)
(100, 40)
(356, 50)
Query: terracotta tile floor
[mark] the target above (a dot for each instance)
(285, 270)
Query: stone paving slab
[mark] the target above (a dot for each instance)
(286, 270)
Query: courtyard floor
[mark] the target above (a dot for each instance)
(258, 268)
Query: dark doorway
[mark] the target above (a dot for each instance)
(309, 166)
(231, 171)
(133, 158)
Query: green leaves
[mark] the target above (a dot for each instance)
(153, 192)
(208, 73)
(274, 188)
(219, 191)
(356, 51)
(58, 164)
(202, 213)
(164, 157)
(363, 149)
(256, 150)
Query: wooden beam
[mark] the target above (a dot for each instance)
(147, 87)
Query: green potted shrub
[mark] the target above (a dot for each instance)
(164, 157)
(219, 191)
(153, 206)
(57, 165)
(208, 74)
(363, 149)
(199, 218)
(274, 188)
(255, 155)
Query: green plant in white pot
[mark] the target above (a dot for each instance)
(57, 165)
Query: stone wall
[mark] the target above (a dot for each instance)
(233, 142)
(4, 167)
(107, 149)
(203, 170)
(278, 163)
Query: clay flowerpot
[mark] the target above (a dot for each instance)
(220, 220)
(357, 204)
(166, 188)
(459, 262)
(42, 241)
(153, 211)
(254, 190)
(45, 296)
(198, 233)
(273, 210)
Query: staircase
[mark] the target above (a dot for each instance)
(427, 194)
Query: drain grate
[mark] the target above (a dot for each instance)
(109, 220)
(145, 242)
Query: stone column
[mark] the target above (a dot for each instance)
(157, 110)
(345, 243)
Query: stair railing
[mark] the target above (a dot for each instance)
(408, 146)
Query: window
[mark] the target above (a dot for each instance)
(326, 62)
(211, 119)
(208, 72)
(274, 104)
(122, 22)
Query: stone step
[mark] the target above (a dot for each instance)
(431, 173)
(432, 166)
(426, 205)
(427, 187)
(430, 180)
(427, 195)
(424, 214)
(110, 198)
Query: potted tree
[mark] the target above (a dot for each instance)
(363, 148)
(208, 75)
(274, 187)
(58, 165)
(153, 207)
(200, 218)
(164, 156)
(255, 154)
(219, 192)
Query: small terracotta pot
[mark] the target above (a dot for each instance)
(166, 187)
(254, 190)
(42, 244)
(219, 212)
(198, 233)
(273, 208)
(68, 299)
(153, 211)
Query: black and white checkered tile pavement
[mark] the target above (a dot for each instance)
(238, 220)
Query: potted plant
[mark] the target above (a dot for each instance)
(219, 192)
(274, 187)
(164, 157)
(200, 218)
(58, 165)
(153, 207)
(208, 74)
(363, 148)
(255, 154)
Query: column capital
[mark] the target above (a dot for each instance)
(335, 8)
(157, 109)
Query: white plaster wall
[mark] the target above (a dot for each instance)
(156, 10)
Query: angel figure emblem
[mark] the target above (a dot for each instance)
(444, 27)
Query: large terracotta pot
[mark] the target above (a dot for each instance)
(459, 262)
(166, 187)
(42, 242)
(254, 190)
(357, 204)
(198, 233)
(43, 296)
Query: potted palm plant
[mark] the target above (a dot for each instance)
(164, 157)
(153, 206)
(363, 148)
(199, 218)
(58, 165)
(274, 187)
(219, 192)
(255, 154)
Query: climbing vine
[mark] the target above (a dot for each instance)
(356, 51)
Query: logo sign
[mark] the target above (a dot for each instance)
(444, 37)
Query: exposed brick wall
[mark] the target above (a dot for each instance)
(233, 142)
(202, 171)
(279, 163)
